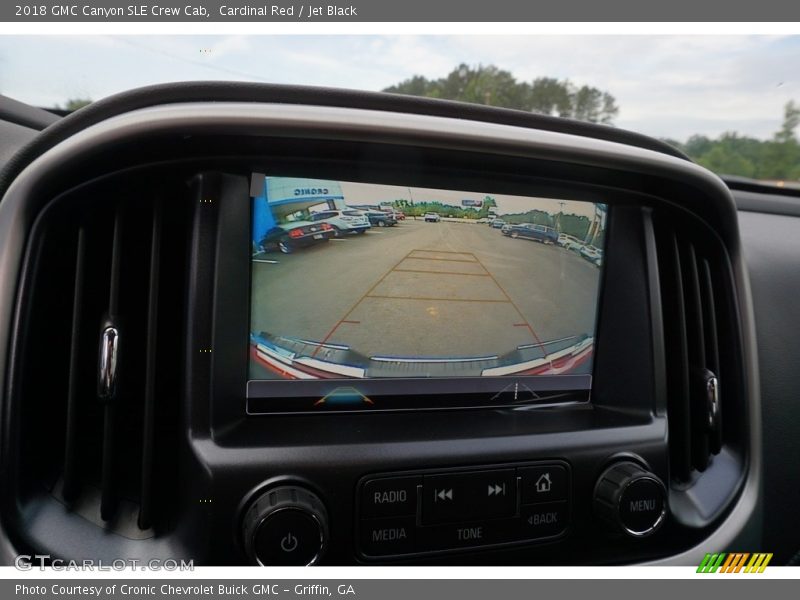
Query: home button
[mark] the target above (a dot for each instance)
(546, 483)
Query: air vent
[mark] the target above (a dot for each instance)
(701, 340)
(100, 365)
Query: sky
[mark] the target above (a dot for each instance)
(666, 86)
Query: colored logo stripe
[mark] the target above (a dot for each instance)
(734, 562)
(711, 563)
(758, 563)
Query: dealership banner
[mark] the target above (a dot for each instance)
(464, 11)
(394, 589)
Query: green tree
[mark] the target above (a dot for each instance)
(488, 202)
(75, 103)
(791, 119)
(697, 145)
(549, 96)
(734, 154)
(491, 85)
(725, 160)
(593, 105)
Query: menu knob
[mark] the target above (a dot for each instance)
(630, 499)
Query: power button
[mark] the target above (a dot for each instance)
(285, 526)
(288, 537)
(289, 542)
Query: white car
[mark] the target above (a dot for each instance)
(574, 246)
(432, 217)
(565, 238)
(592, 254)
(343, 221)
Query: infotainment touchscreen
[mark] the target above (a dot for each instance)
(379, 297)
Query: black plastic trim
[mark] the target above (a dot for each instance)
(222, 91)
(25, 115)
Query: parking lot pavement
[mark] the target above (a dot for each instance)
(426, 289)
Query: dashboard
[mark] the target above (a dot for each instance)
(250, 324)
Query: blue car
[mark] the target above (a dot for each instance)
(497, 224)
(539, 233)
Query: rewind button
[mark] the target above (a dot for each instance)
(443, 495)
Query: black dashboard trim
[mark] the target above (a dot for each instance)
(215, 91)
(701, 190)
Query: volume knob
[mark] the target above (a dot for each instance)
(630, 499)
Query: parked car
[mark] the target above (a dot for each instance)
(376, 216)
(343, 221)
(565, 238)
(497, 224)
(592, 254)
(539, 233)
(432, 217)
(298, 234)
(398, 215)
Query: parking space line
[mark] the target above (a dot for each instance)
(441, 259)
(440, 272)
(526, 322)
(433, 299)
(265, 261)
(443, 251)
(354, 306)
(487, 273)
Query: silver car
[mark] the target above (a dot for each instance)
(344, 222)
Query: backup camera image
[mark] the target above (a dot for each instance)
(364, 282)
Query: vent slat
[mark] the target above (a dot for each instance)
(693, 305)
(692, 265)
(697, 358)
(678, 359)
(712, 345)
(149, 426)
(71, 476)
(108, 498)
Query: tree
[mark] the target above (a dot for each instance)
(723, 159)
(791, 119)
(493, 86)
(74, 104)
(550, 96)
(593, 105)
(697, 145)
(733, 154)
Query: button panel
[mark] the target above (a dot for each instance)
(446, 510)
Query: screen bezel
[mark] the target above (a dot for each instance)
(625, 366)
(418, 394)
